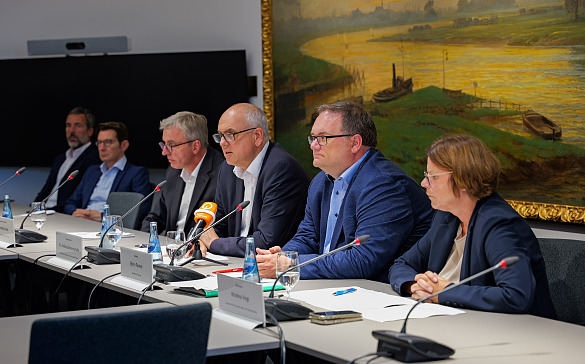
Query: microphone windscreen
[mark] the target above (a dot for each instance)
(362, 239)
(74, 174)
(506, 262)
(20, 170)
(206, 213)
(244, 204)
(159, 186)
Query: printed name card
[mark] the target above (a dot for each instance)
(136, 268)
(69, 246)
(240, 302)
(6, 232)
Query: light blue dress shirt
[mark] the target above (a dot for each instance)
(340, 186)
(102, 188)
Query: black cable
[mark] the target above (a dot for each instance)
(96, 286)
(375, 356)
(42, 256)
(144, 291)
(280, 337)
(65, 276)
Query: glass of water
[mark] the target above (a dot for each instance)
(174, 240)
(38, 214)
(287, 260)
(116, 230)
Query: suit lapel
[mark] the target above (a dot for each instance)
(325, 202)
(239, 197)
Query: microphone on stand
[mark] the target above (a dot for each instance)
(409, 348)
(18, 173)
(172, 273)
(99, 255)
(28, 236)
(284, 310)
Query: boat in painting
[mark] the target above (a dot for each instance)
(400, 87)
(542, 126)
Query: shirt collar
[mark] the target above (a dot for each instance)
(120, 164)
(254, 167)
(74, 153)
(347, 175)
(186, 176)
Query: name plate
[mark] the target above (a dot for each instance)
(7, 237)
(69, 246)
(136, 265)
(241, 297)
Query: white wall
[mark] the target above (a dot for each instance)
(153, 26)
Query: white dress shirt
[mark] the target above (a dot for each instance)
(71, 156)
(190, 180)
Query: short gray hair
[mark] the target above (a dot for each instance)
(89, 116)
(256, 118)
(193, 126)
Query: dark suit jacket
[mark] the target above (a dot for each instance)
(89, 157)
(495, 232)
(131, 179)
(381, 201)
(281, 193)
(165, 209)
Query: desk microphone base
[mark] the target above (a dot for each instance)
(23, 236)
(173, 273)
(409, 348)
(99, 256)
(284, 310)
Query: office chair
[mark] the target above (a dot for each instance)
(121, 202)
(565, 270)
(162, 335)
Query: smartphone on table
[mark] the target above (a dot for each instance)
(334, 317)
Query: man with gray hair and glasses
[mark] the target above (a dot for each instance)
(259, 171)
(191, 176)
(82, 153)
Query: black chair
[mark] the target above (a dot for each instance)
(162, 335)
(121, 202)
(565, 269)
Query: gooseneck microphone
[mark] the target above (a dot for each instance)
(28, 236)
(410, 348)
(171, 273)
(284, 310)
(100, 255)
(18, 173)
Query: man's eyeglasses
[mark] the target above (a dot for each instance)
(322, 139)
(171, 146)
(428, 176)
(108, 143)
(229, 137)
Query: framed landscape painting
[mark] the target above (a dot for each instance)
(510, 72)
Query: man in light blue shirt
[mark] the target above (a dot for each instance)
(115, 174)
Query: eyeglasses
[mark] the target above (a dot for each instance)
(427, 175)
(322, 139)
(229, 137)
(170, 147)
(108, 142)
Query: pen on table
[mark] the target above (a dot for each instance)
(229, 270)
(349, 290)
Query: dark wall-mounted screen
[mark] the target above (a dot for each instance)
(138, 89)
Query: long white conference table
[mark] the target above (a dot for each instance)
(477, 337)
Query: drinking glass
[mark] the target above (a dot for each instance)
(117, 229)
(286, 260)
(38, 214)
(174, 240)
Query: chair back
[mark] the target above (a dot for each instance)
(175, 334)
(121, 202)
(565, 269)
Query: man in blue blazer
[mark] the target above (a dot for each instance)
(115, 174)
(258, 171)
(358, 192)
(82, 153)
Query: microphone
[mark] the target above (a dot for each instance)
(100, 255)
(171, 273)
(18, 173)
(284, 310)
(206, 215)
(28, 236)
(409, 348)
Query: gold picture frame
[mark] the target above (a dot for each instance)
(527, 209)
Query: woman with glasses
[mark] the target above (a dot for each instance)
(473, 229)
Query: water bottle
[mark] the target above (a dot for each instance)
(7, 211)
(154, 244)
(105, 226)
(250, 271)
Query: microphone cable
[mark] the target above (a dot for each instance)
(42, 256)
(380, 354)
(63, 279)
(274, 321)
(146, 289)
(96, 286)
